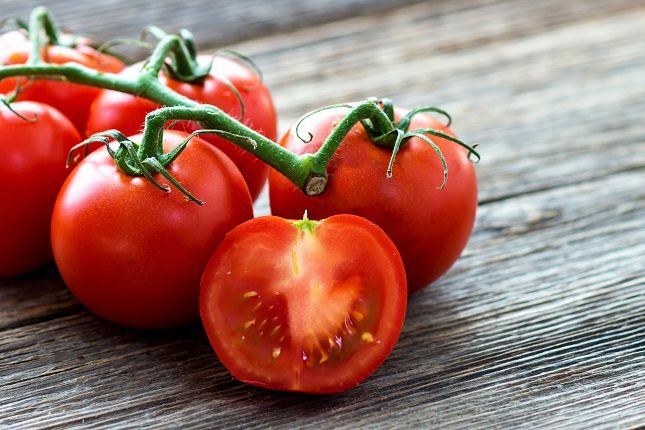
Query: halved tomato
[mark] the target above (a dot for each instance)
(310, 306)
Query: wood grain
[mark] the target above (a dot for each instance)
(215, 23)
(540, 324)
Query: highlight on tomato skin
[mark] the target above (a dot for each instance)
(304, 306)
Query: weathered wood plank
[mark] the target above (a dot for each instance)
(215, 23)
(426, 50)
(33, 298)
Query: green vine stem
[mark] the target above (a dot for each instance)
(179, 48)
(41, 24)
(377, 117)
(308, 171)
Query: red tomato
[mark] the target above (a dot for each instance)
(134, 254)
(429, 226)
(33, 154)
(124, 112)
(73, 100)
(303, 305)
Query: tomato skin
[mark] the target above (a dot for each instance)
(317, 311)
(126, 113)
(134, 254)
(33, 155)
(429, 226)
(71, 99)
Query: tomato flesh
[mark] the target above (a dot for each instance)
(311, 308)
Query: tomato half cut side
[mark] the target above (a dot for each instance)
(308, 306)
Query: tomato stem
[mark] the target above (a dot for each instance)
(41, 23)
(366, 111)
(5, 102)
(148, 86)
(219, 123)
(377, 118)
(305, 224)
(184, 66)
(308, 171)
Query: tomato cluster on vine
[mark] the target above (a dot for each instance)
(154, 227)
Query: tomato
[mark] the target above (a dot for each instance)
(302, 305)
(33, 152)
(134, 254)
(73, 100)
(124, 112)
(429, 226)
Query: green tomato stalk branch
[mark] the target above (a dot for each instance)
(307, 171)
(47, 27)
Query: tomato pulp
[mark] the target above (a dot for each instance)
(302, 305)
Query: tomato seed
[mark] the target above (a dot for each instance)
(367, 337)
(275, 331)
(276, 352)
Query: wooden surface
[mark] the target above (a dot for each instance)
(540, 324)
